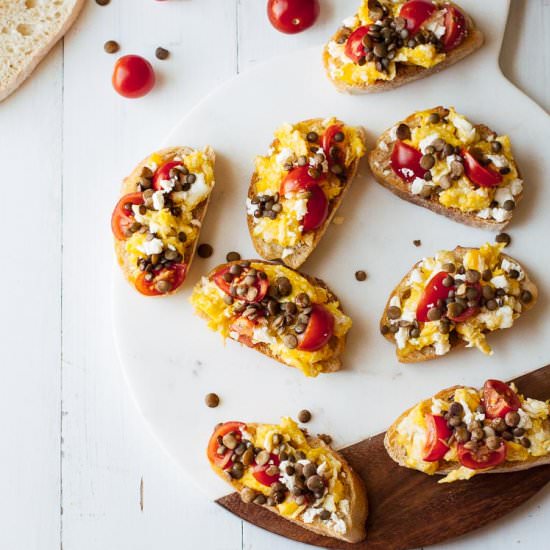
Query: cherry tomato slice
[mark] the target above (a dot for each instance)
(438, 435)
(482, 458)
(465, 315)
(317, 209)
(319, 330)
(455, 28)
(334, 150)
(259, 472)
(245, 329)
(292, 16)
(163, 173)
(478, 174)
(123, 215)
(262, 285)
(405, 161)
(298, 179)
(223, 461)
(355, 49)
(133, 76)
(434, 291)
(499, 399)
(415, 13)
(175, 275)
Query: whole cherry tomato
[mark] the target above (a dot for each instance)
(355, 49)
(123, 215)
(499, 398)
(405, 161)
(479, 174)
(298, 179)
(455, 28)
(434, 291)
(292, 16)
(481, 458)
(224, 460)
(415, 13)
(133, 76)
(333, 144)
(438, 435)
(174, 275)
(260, 474)
(317, 209)
(319, 330)
(162, 173)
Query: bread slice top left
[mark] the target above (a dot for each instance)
(28, 30)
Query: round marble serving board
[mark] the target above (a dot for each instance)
(178, 360)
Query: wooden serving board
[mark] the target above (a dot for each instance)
(408, 509)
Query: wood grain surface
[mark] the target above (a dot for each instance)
(408, 509)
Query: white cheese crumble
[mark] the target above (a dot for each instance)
(198, 192)
(350, 21)
(284, 156)
(516, 187)
(154, 246)
(465, 130)
(158, 200)
(503, 194)
(500, 161)
(427, 141)
(401, 337)
(395, 301)
(524, 420)
(417, 185)
(500, 281)
(535, 408)
(260, 334)
(393, 133)
(507, 266)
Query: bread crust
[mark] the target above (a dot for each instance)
(274, 251)
(379, 162)
(428, 353)
(409, 73)
(129, 185)
(355, 492)
(330, 365)
(398, 453)
(39, 54)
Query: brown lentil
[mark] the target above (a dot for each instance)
(162, 53)
(503, 237)
(102, 2)
(205, 250)
(417, 242)
(111, 46)
(304, 416)
(403, 132)
(361, 275)
(212, 400)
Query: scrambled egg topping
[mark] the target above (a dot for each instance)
(344, 69)
(162, 222)
(412, 433)
(207, 298)
(473, 329)
(291, 142)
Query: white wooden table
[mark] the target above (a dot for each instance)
(79, 470)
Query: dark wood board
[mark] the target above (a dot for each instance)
(408, 509)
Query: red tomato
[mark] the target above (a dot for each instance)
(245, 329)
(328, 142)
(298, 179)
(438, 435)
(455, 28)
(133, 76)
(433, 292)
(222, 461)
(478, 174)
(175, 274)
(319, 329)
(499, 398)
(465, 315)
(482, 458)
(123, 216)
(163, 173)
(317, 209)
(405, 161)
(261, 284)
(415, 13)
(259, 472)
(355, 49)
(292, 16)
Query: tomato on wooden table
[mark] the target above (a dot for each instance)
(319, 330)
(499, 399)
(405, 161)
(133, 76)
(261, 285)
(299, 179)
(171, 277)
(333, 144)
(415, 13)
(435, 290)
(438, 435)
(260, 474)
(455, 28)
(317, 209)
(481, 458)
(292, 16)
(223, 461)
(163, 173)
(479, 174)
(355, 49)
(123, 215)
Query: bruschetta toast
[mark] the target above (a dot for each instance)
(454, 299)
(157, 221)
(462, 432)
(439, 160)
(284, 314)
(292, 474)
(390, 43)
(298, 186)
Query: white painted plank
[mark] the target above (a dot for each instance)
(30, 302)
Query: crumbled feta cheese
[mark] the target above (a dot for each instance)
(427, 141)
(500, 281)
(499, 214)
(438, 406)
(484, 214)
(284, 156)
(309, 514)
(401, 337)
(395, 301)
(524, 420)
(507, 266)
(154, 246)
(441, 344)
(503, 194)
(287, 252)
(350, 22)
(503, 317)
(516, 187)
(465, 130)
(453, 158)
(299, 207)
(158, 200)
(167, 185)
(500, 161)
(153, 227)
(250, 208)
(535, 408)
(417, 186)
(337, 524)
(198, 191)
(260, 334)
(407, 172)
(383, 146)
(393, 133)
(416, 276)
(436, 28)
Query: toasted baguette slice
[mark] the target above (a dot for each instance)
(294, 256)
(346, 518)
(131, 183)
(404, 72)
(30, 29)
(380, 164)
(399, 452)
(455, 340)
(208, 300)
